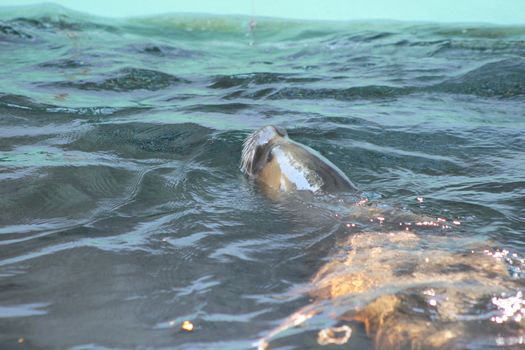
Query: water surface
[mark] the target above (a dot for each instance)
(122, 209)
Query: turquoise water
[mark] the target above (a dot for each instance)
(123, 211)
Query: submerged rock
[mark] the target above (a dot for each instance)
(413, 292)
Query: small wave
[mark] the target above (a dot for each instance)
(36, 113)
(463, 48)
(228, 108)
(243, 80)
(350, 94)
(370, 36)
(168, 51)
(505, 79)
(96, 111)
(143, 140)
(10, 32)
(10, 101)
(23, 310)
(128, 79)
(62, 22)
(481, 31)
(257, 94)
(64, 64)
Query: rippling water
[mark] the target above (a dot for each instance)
(123, 212)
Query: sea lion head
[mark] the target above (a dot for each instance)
(283, 165)
(257, 144)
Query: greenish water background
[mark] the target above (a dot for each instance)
(507, 12)
(122, 209)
